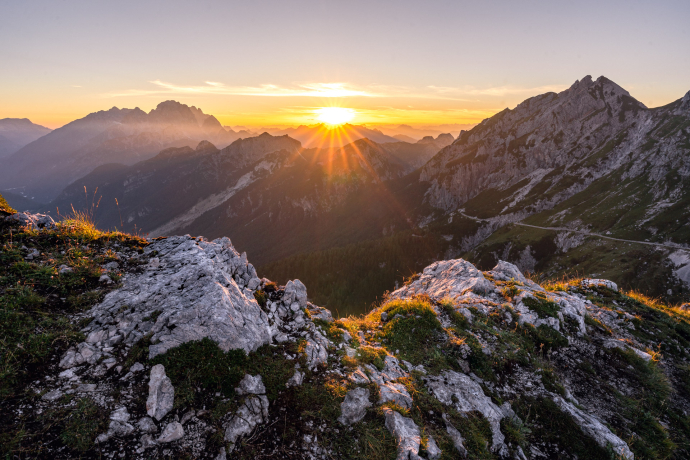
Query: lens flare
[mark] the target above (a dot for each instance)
(335, 115)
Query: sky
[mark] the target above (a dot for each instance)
(276, 63)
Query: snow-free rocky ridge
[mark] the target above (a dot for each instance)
(457, 362)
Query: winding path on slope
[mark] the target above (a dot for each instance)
(564, 229)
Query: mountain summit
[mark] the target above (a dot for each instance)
(15, 133)
(44, 167)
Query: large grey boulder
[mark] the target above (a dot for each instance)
(448, 278)
(455, 436)
(395, 393)
(432, 449)
(354, 407)
(406, 434)
(172, 432)
(190, 290)
(32, 221)
(295, 291)
(161, 393)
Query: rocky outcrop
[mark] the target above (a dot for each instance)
(189, 290)
(544, 133)
(597, 430)
(460, 391)
(252, 412)
(495, 349)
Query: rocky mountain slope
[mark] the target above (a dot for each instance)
(587, 181)
(554, 185)
(44, 167)
(258, 189)
(151, 193)
(175, 347)
(15, 133)
(591, 159)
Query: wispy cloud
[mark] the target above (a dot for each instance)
(336, 90)
(267, 90)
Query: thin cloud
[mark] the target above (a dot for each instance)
(268, 90)
(336, 90)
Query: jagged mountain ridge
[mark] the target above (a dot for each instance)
(277, 188)
(44, 167)
(590, 159)
(151, 193)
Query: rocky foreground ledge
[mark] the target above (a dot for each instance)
(191, 355)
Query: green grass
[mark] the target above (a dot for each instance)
(82, 424)
(36, 302)
(200, 367)
(542, 306)
(416, 333)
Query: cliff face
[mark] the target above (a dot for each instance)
(554, 145)
(185, 351)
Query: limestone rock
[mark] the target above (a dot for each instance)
(465, 395)
(120, 415)
(295, 291)
(253, 411)
(147, 425)
(456, 437)
(321, 313)
(594, 428)
(296, 379)
(32, 221)
(199, 287)
(354, 407)
(432, 449)
(52, 395)
(251, 384)
(172, 432)
(396, 393)
(161, 393)
(448, 278)
(405, 432)
(588, 282)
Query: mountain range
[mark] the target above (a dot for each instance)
(585, 181)
(45, 166)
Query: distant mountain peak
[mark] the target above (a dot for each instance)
(205, 147)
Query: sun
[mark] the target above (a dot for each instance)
(335, 115)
